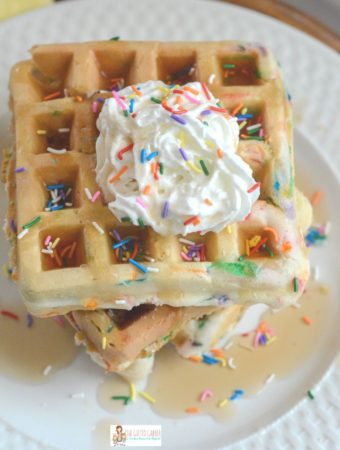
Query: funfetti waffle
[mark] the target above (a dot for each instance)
(65, 232)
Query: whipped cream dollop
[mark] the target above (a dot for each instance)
(166, 157)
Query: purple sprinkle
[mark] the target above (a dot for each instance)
(100, 99)
(20, 169)
(29, 320)
(182, 152)
(116, 235)
(206, 112)
(13, 226)
(63, 195)
(196, 247)
(165, 211)
(178, 119)
(263, 339)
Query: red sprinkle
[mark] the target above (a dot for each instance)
(6, 313)
(124, 150)
(254, 249)
(254, 187)
(205, 90)
(215, 108)
(191, 220)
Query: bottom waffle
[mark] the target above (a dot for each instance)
(117, 338)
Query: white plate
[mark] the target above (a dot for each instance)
(312, 72)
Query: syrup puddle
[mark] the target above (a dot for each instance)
(27, 352)
(176, 383)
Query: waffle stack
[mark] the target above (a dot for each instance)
(64, 233)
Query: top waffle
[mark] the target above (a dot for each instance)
(55, 102)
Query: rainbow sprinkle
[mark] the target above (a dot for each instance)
(59, 197)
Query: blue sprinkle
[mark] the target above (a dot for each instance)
(57, 207)
(121, 243)
(52, 187)
(100, 99)
(152, 155)
(209, 359)
(276, 185)
(244, 116)
(139, 266)
(142, 155)
(131, 105)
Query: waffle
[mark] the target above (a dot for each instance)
(117, 338)
(58, 90)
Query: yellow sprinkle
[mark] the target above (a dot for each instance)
(91, 303)
(147, 396)
(210, 144)
(244, 110)
(182, 138)
(193, 167)
(271, 340)
(242, 124)
(184, 248)
(164, 89)
(132, 391)
(222, 403)
(254, 241)
(104, 341)
(222, 361)
(56, 242)
(132, 96)
(41, 132)
(229, 229)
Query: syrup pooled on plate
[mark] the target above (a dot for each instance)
(295, 336)
(32, 349)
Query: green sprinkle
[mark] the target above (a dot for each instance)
(254, 130)
(166, 337)
(204, 167)
(56, 113)
(205, 123)
(155, 100)
(110, 328)
(115, 38)
(125, 219)
(33, 222)
(202, 321)
(125, 398)
(228, 66)
(253, 138)
(269, 250)
(240, 268)
(242, 257)
(311, 394)
(219, 104)
(126, 113)
(296, 284)
(141, 222)
(161, 168)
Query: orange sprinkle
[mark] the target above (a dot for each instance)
(196, 221)
(207, 201)
(273, 231)
(14, 276)
(118, 174)
(178, 99)
(316, 198)
(91, 303)
(219, 153)
(192, 410)
(307, 320)
(78, 98)
(195, 358)
(51, 96)
(65, 250)
(236, 109)
(190, 89)
(135, 90)
(74, 245)
(217, 352)
(57, 257)
(286, 246)
(147, 189)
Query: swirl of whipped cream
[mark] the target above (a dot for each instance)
(166, 156)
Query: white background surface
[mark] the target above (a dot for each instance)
(45, 412)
